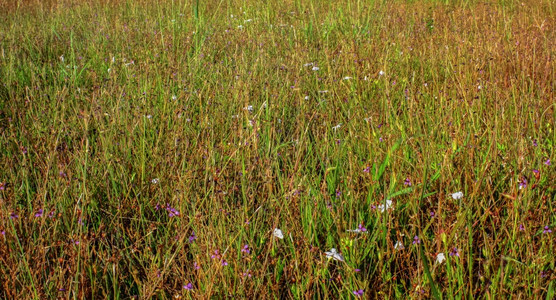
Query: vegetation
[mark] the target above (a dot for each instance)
(221, 149)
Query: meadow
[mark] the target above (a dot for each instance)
(290, 149)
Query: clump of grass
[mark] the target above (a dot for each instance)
(152, 149)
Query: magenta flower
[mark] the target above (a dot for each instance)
(193, 237)
(196, 265)
(407, 182)
(454, 252)
(13, 216)
(416, 240)
(246, 249)
(224, 263)
(358, 293)
(362, 228)
(246, 274)
(2, 186)
(215, 255)
(523, 183)
(39, 213)
(367, 169)
(521, 227)
(188, 286)
(546, 230)
(547, 162)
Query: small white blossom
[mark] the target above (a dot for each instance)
(334, 254)
(278, 233)
(155, 181)
(381, 73)
(384, 207)
(457, 196)
(315, 68)
(347, 78)
(62, 58)
(240, 26)
(248, 20)
(337, 127)
(249, 108)
(306, 98)
(308, 64)
(174, 97)
(440, 258)
(399, 246)
(323, 91)
(149, 117)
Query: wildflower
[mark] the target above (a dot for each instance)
(381, 73)
(149, 116)
(367, 169)
(357, 270)
(454, 252)
(337, 127)
(315, 68)
(240, 26)
(361, 229)
(306, 98)
(224, 263)
(245, 249)
(80, 221)
(521, 227)
(416, 240)
(188, 286)
(432, 214)
(546, 230)
(547, 162)
(544, 274)
(440, 258)
(155, 181)
(457, 196)
(39, 213)
(399, 246)
(278, 233)
(196, 265)
(3, 232)
(249, 108)
(246, 274)
(2, 186)
(358, 293)
(334, 254)
(215, 255)
(386, 206)
(338, 194)
(13, 216)
(174, 97)
(347, 78)
(523, 183)
(407, 182)
(172, 212)
(535, 143)
(193, 237)
(308, 64)
(62, 58)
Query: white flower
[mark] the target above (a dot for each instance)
(440, 258)
(306, 97)
(155, 181)
(315, 68)
(333, 254)
(174, 97)
(278, 233)
(366, 78)
(249, 108)
(62, 58)
(399, 246)
(248, 20)
(381, 73)
(337, 127)
(240, 26)
(149, 117)
(347, 78)
(457, 196)
(384, 207)
(323, 91)
(308, 64)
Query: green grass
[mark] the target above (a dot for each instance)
(115, 113)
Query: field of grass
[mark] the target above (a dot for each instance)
(153, 150)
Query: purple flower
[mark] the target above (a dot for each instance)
(224, 263)
(338, 193)
(536, 171)
(358, 293)
(2, 186)
(416, 240)
(547, 230)
(362, 228)
(246, 274)
(454, 252)
(188, 286)
(544, 274)
(547, 162)
(535, 143)
(13, 216)
(172, 212)
(521, 227)
(367, 169)
(357, 270)
(39, 213)
(3, 232)
(246, 249)
(193, 237)
(407, 182)
(432, 214)
(523, 183)
(196, 265)
(215, 255)
(80, 221)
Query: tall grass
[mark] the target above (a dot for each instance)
(150, 149)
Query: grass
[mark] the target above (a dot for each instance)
(144, 145)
